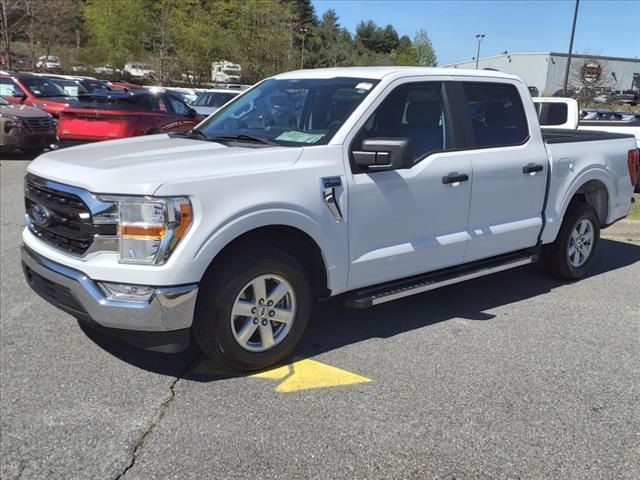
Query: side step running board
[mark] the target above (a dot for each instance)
(423, 283)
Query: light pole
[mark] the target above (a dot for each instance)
(479, 38)
(304, 32)
(573, 31)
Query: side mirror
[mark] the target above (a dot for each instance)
(384, 154)
(192, 113)
(19, 94)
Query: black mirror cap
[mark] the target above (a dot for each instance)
(192, 113)
(380, 153)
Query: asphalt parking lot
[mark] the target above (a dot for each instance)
(511, 376)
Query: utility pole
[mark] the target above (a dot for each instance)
(304, 32)
(573, 31)
(479, 38)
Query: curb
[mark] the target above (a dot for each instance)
(623, 230)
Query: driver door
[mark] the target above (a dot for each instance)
(410, 221)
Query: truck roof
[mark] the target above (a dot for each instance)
(377, 73)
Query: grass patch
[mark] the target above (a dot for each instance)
(634, 214)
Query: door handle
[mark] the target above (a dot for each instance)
(455, 177)
(532, 168)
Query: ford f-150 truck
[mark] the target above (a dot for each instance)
(369, 183)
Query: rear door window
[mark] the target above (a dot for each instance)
(497, 114)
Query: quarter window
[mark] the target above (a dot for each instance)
(497, 114)
(415, 111)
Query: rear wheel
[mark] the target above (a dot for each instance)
(251, 312)
(570, 257)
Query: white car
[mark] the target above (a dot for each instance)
(210, 101)
(49, 63)
(105, 70)
(372, 183)
(138, 70)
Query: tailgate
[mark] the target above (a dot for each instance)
(93, 125)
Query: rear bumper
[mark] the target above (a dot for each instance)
(167, 315)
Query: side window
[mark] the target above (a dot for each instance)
(415, 111)
(179, 108)
(7, 87)
(158, 104)
(497, 114)
(552, 113)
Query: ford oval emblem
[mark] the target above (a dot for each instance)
(41, 215)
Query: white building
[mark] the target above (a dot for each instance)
(546, 70)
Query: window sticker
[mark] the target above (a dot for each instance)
(300, 137)
(366, 86)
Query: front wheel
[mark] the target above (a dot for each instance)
(252, 311)
(570, 257)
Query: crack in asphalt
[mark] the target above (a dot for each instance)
(164, 406)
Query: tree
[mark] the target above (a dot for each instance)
(12, 19)
(420, 52)
(332, 44)
(590, 76)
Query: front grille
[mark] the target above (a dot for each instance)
(42, 124)
(68, 223)
(56, 294)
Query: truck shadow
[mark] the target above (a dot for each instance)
(334, 326)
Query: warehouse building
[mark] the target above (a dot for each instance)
(546, 71)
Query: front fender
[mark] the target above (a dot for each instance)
(334, 255)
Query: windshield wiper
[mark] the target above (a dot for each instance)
(243, 138)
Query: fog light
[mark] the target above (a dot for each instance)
(126, 293)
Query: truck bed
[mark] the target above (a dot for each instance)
(568, 136)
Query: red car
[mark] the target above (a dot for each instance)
(35, 91)
(106, 116)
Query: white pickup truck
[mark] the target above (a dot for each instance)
(370, 183)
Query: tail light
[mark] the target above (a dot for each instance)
(633, 161)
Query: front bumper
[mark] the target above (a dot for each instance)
(168, 309)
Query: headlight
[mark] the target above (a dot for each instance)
(149, 229)
(13, 122)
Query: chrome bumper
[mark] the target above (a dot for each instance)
(168, 308)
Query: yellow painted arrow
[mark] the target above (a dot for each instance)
(302, 374)
(308, 374)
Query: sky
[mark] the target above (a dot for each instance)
(604, 27)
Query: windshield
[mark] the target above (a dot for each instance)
(42, 87)
(71, 87)
(214, 99)
(290, 112)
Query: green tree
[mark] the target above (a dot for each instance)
(420, 52)
(332, 46)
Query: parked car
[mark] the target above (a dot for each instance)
(138, 70)
(105, 70)
(78, 85)
(25, 128)
(34, 91)
(210, 101)
(360, 182)
(49, 62)
(627, 97)
(124, 114)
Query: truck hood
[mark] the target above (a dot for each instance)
(140, 165)
(22, 111)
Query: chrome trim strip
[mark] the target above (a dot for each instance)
(168, 308)
(451, 281)
(95, 205)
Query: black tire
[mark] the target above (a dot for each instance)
(212, 329)
(555, 255)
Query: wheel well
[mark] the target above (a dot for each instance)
(295, 242)
(594, 193)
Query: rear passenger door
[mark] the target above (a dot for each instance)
(510, 168)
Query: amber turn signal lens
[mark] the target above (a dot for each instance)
(148, 231)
